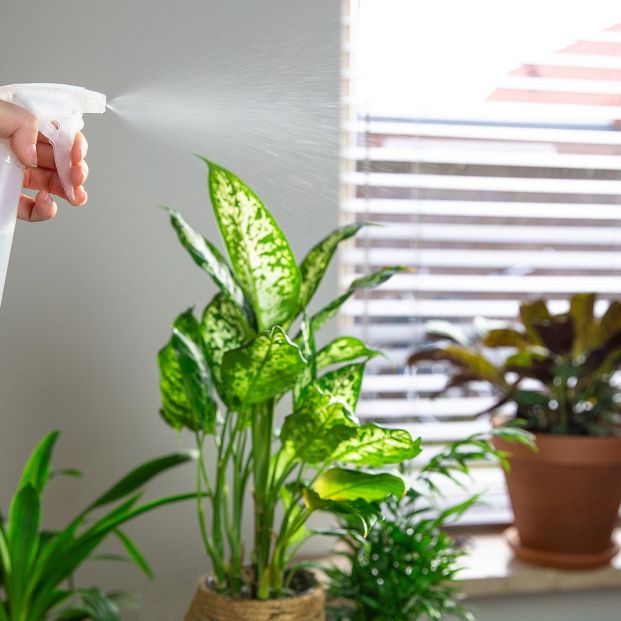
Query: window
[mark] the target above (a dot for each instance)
(487, 142)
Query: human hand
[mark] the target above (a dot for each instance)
(36, 153)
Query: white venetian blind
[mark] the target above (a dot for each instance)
(521, 200)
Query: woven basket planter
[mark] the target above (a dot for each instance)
(211, 606)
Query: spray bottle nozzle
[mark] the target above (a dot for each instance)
(93, 102)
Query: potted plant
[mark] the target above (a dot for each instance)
(37, 566)
(558, 372)
(408, 567)
(222, 377)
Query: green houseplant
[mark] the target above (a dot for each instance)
(37, 566)
(558, 372)
(408, 567)
(221, 378)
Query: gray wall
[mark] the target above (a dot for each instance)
(89, 297)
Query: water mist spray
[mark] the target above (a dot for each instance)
(58, 109)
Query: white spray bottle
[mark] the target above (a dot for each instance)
(58, 109)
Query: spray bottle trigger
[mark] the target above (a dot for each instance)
(61, 133)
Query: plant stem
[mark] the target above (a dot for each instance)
(262, 433)
(203, 478)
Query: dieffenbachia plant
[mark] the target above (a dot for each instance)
(37, 566)
(221, 377)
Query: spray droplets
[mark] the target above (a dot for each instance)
(277, 110)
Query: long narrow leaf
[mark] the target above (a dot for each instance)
(209, 258)
(366, 282)
(37, 469)
(134, 552)
(316, 262)
(138, 477)
(23, 539)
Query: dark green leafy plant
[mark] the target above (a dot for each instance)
(222, 376)
(37, 566)
(408, 567)
(559, 372)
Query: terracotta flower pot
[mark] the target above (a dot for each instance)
(565, 499)
(211, 606)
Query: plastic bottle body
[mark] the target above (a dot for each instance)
(11, 181)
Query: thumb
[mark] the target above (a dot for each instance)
(21, 128)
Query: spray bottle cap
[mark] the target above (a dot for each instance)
(58, 109)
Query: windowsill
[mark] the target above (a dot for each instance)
(492, 571)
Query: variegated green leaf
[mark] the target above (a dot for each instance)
(313, 433)
(376, 446)
(195, 377)
(262, 369)
(223, 327)
(184, 380)
(344, 349)
(262, 259)
(344, 384)
(316, 262)
(209, 258)
(365, 282)
(176, 409)
(306, 343)
(343, 485)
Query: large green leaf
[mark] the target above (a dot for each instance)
(262, 259)
(313, 433)
(139, 477)
(223, 327)
(376, 446)
(344, 349)
(359, 514)
(365, 282)
(37, 469)
(265, 368)
(344, 384)
(316, 262)
(343, 485)
(209, 258)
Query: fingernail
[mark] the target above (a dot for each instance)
(32, 155)
(84, 148)
(45, 197)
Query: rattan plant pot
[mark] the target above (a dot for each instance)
(211, 606)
